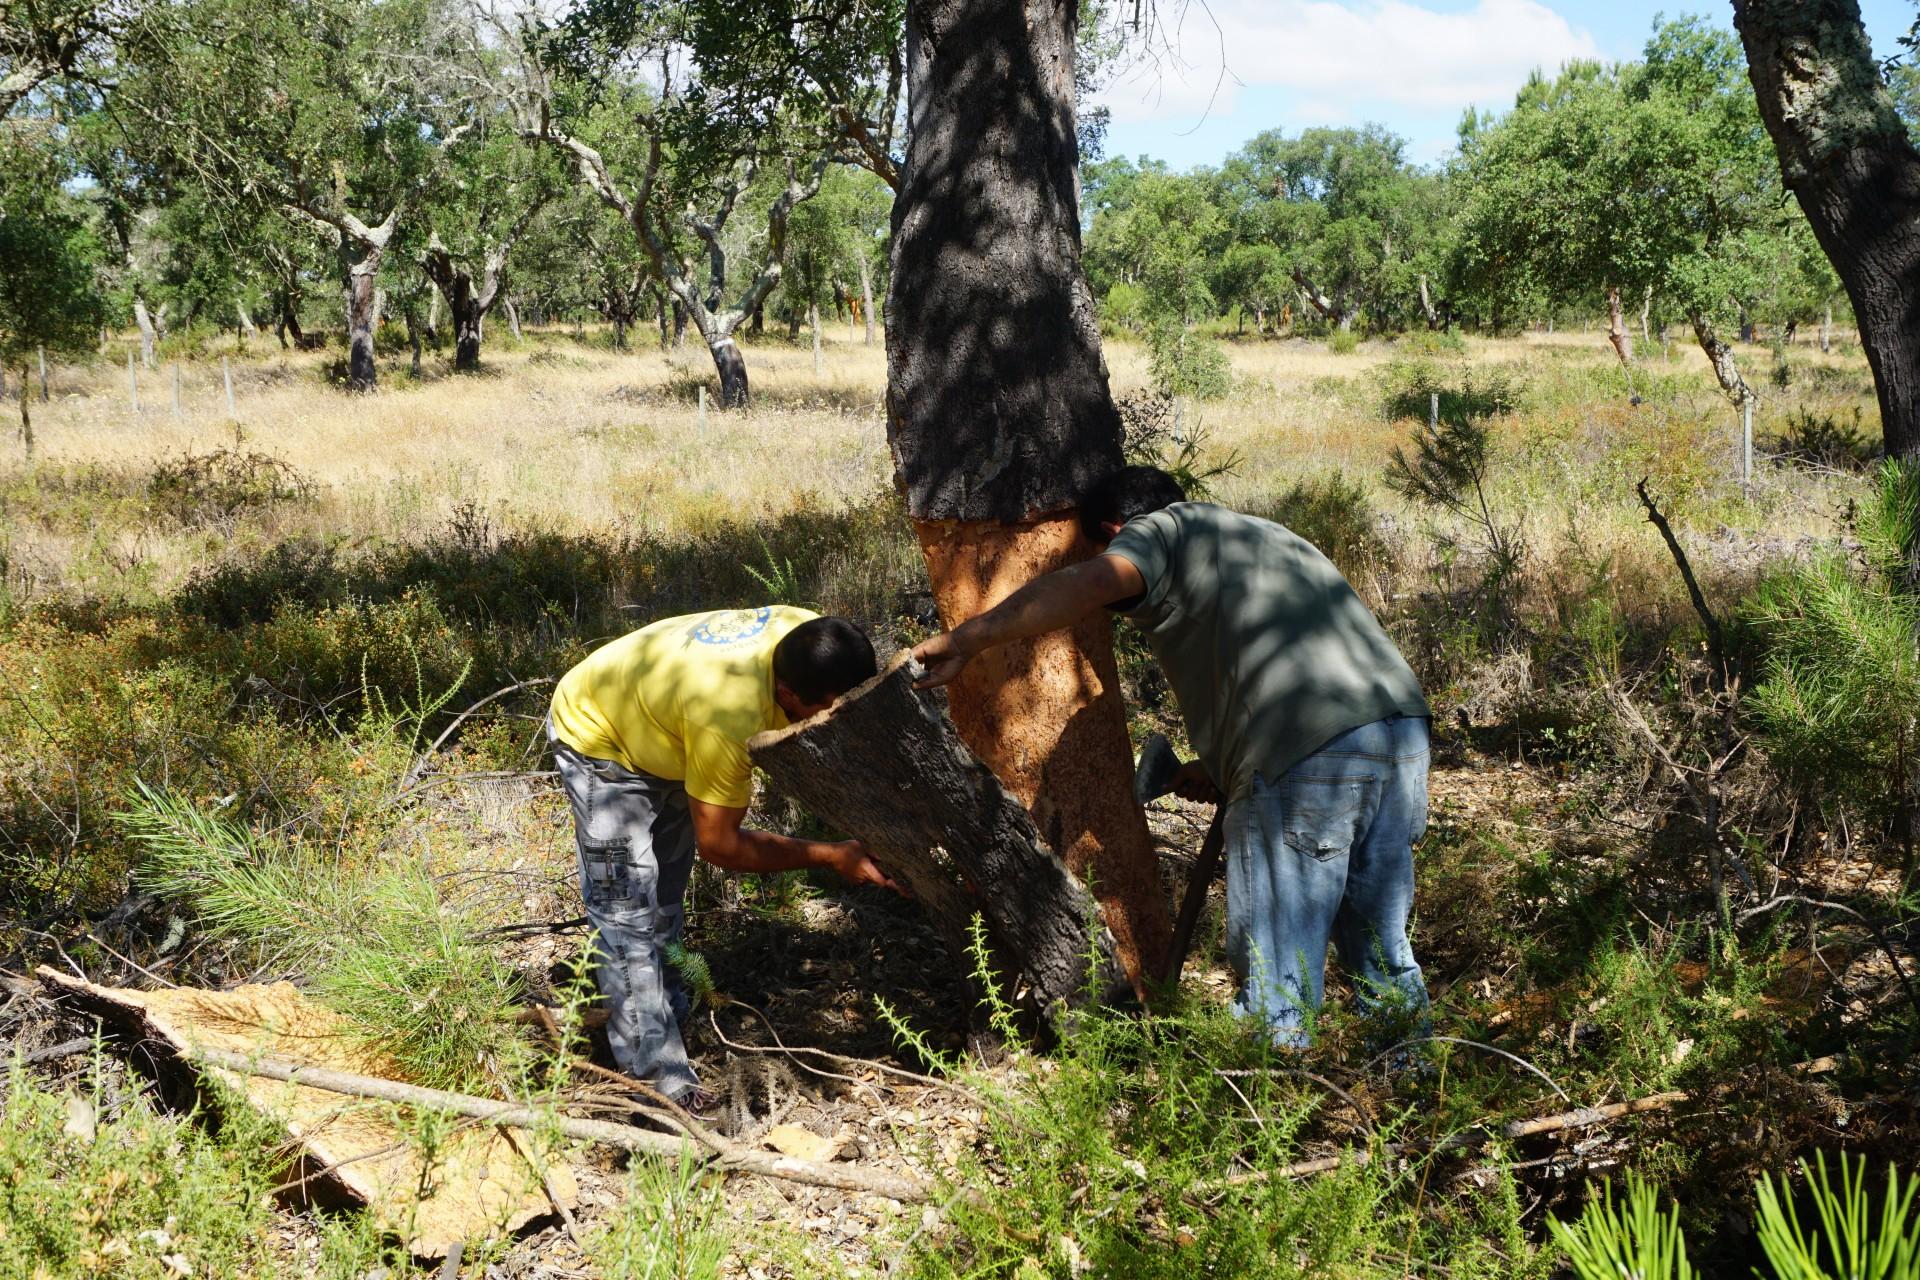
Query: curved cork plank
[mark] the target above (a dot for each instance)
(885, 765)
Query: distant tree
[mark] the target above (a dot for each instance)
(1254, 278)
(680, 160)
(1346, 211)
(1167, 242)
(1649, 180)
(1850, 159)
(50, 255)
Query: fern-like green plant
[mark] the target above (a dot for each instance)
(780, 581)
(695, 974)
(1632, 1240)
(1853, 1241)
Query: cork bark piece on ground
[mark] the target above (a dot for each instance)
(885, 765)
(482, 1182)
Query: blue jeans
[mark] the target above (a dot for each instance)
(1325, 854)
(635, 838)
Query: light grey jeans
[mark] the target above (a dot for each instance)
(1325, 853)
(635, 839)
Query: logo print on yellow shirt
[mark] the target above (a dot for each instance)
(733, 626)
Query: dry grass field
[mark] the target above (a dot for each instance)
(567, 436)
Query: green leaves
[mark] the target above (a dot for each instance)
(1633, 1241)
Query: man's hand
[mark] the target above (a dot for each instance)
(1192, 783)
(943, 657)
(858, 868)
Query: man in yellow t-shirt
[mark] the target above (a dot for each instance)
(650, 737)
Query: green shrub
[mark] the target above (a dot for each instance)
(142, 1195)
(1125, 309)
(1851, 1242)
(673, 1223)
(1343, 342)
(1335, 514)
(1434, 342)
(1839, 703)
(1186, 362)
(1409, 385)
(1635, 1240)
(406, 971)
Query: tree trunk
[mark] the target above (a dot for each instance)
(732, 368)
(360, 261)
(513, 318)
(813, 325)
(247, 329)
(885, 765)
(433, 319)
(466, 326)
(1646, 314)
(413, 340)
(866, 296)
(679, 324)
(1846, 154)
(1426, 305)
(660, 313)
(26, 414)
(793, 324)
(1720, 356)
(1000, 417)
(144, 319)
(1617, 332)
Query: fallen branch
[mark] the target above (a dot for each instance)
(514, 1116)
(1716, 647)
(1479, 1136)
(426, 757)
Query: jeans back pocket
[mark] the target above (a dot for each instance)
(1321, 817)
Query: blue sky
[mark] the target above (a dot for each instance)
(1412, 65)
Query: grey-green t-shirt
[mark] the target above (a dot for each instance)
(1268, 649)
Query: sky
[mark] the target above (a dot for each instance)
(1241, 66)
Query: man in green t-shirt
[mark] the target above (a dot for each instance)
(1307, 722)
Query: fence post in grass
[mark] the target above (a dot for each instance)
(1746, 446)
(226, 375)
(43, 375)
(176, 388)
(133, 382)
(1433, 411)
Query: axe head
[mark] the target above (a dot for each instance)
(1153, 776)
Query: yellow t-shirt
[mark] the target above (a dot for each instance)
(679, 698)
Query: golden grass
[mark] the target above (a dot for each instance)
(566, 435)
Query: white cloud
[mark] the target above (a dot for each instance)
(1346, 57)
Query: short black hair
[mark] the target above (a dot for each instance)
(1126, 493)
(822, 658)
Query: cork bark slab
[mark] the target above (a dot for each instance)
(1046, 716)
(885, 765)
(481, 1182)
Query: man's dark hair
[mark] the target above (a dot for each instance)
(822, 658)
(1128, 492)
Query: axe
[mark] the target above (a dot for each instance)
(1154, 777)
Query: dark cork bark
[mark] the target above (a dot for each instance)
(997, 399)
(1845, 153)
(885, 765)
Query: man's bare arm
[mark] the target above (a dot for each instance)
(723, 841)
(1048, 603)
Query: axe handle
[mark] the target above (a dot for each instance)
(1196, 896)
